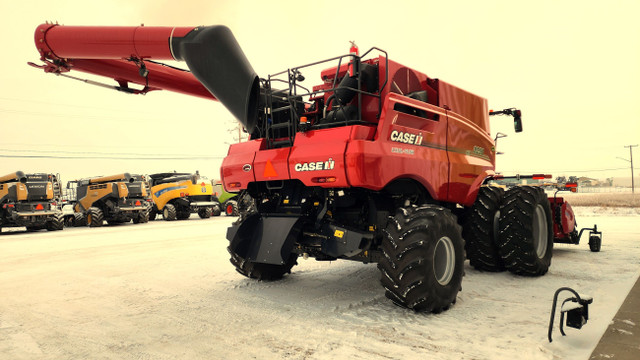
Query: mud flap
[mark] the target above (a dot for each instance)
(267, 239)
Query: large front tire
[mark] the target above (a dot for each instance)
(55, 223)
(95, 217)
(423, 262)
(525, 239)
(169, 212)
(480, 229)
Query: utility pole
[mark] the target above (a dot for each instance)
(633, 186)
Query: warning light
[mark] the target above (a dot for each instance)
(234, 185)
(540, 176)
(303, 120)
(322, 180)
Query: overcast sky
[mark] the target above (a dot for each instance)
(573, 67)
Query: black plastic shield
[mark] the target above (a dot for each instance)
(267, 240)
(217, 61)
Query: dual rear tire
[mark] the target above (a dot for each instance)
(510, 231)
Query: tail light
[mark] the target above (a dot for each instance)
(322, 180)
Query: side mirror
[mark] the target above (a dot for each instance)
(517, 120)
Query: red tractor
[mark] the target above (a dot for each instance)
(377, 163)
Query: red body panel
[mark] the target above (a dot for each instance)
(102, 51)
(566, 217)
(106, 42)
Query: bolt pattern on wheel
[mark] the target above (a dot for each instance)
(525, 239)
(423, 258)
(480, 228)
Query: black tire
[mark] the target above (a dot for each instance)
(183, 213)
(79, 219)
(480, 229)
(169, 212)
(525, 239)
(95, 217)
(215, 210)
(56, 223)
(423, 262)
(268, 272)
(141, 217)
(152, 214)
(205, 212)
(231, 208)
(595, 243)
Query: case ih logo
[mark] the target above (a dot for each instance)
(315, 166)
(406, 138)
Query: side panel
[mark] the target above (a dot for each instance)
(237, 167)
(472, 156)
(271, 164)
(407, 146)
(320, 154)
(163, 193)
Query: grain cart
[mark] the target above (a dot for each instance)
(376, 163)
(30, 200)
(117, 199)
(177, 195)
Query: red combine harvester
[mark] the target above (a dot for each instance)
(377, 163)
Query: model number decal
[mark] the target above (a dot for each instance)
(315, 166)
(406, 138)
(397, 150)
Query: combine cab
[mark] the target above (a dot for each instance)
(377, 162)
(177, 195)
(117, 199)
(30, 200)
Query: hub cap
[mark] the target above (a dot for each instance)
(540, 231)
(444, 258)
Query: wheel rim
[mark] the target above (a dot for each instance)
(444, 260)
(229, 209)
(540, 231)
(165, 213)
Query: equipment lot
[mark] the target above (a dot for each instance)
(166, 290)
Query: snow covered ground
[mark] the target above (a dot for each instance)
(166, 290)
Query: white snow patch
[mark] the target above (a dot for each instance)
(167, 290)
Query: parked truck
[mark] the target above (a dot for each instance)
(377, 162)
(30, 200)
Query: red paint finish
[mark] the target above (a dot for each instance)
(160, 77)
(237, 166)
(561, 210)
(106, 42)
(102, 51)
(310, 160)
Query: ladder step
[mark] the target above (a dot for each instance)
(279, 126)
(279, 143)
